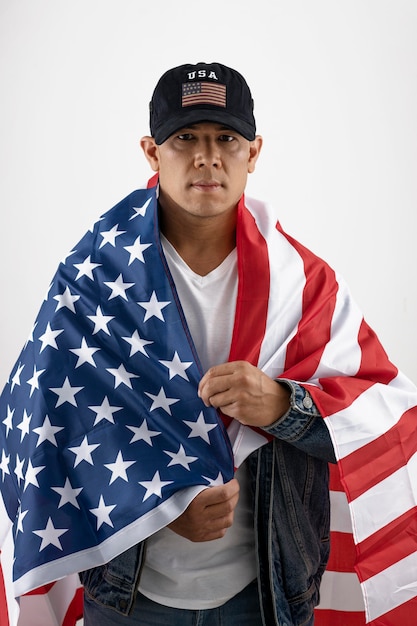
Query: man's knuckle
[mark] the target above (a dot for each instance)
(229, 508)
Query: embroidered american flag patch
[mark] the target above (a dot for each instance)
(203, 93)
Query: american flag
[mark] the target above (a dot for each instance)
(203, 93)
(103, 438)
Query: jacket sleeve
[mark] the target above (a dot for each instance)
(302, 425)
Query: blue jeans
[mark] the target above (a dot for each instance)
(242, 610)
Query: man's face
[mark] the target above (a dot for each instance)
(202, 168)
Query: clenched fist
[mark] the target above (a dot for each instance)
(244, 392)
(210, 514)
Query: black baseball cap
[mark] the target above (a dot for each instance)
(205, 92)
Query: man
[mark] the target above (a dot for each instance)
(205, 317)
(203, 146)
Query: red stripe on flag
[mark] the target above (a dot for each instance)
(388, 545)
(4, 617)
(375, 364)
(341, 391)
(338, 393)
(253, 289)
(335, 484)
(305, 349)
(75, 609)
(40, 590)
(153, 181)
(388, 453)
(252, 296)
(342, 553)
(328, 617)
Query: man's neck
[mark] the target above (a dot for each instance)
(203, 244)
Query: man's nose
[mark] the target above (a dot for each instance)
(207, 154)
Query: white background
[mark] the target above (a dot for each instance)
(335, 88)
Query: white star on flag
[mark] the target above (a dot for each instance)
(200, 428)
(154, 487)
(68, 494)
(104, 411)
(118, 468)
(34, 381)
(136, 250)
(180, 458)
(118, 287)
(31, 474)
(153, 308)
(214, 482)
(24, 425)
(100, 321)
(142, 433)
(121, 376)
(46, 432)
(18, 470)
(160, 401)
(50, 535)
(8, 421)
(16, 376)
(66, 393)
(85, 354)
(86, 268)
(141, 211)
(137, 344)
(176, 367)
(109, 236)
(66, 299)
(48, 338)
(102, 512)
(83, 451)
(4, 464)
(20, 518)
(30, 336)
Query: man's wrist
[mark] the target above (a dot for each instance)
(301, 411)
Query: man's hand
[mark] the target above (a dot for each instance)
(244, 392)
(210, 514)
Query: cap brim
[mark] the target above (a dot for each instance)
(196, 116)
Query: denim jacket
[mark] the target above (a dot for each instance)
(289, 478)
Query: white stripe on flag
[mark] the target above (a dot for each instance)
(341, 355)
(49, 609)
(339, 513)
(282, 320)
(153, 520)
(340, 592)
(386, 501)
(7, 564)
(392, 587)
(244, 441)
(381, 407)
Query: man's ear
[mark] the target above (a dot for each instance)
(255, 147)
(150, 150)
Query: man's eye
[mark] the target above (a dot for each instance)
(226, 138)
(185, 136)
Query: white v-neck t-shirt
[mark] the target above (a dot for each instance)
(208, 303)
(178, 572)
